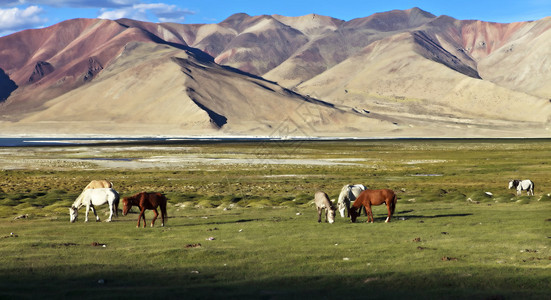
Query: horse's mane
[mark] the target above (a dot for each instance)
(78, 202)
(134, 199)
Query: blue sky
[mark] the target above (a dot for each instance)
(16, 15)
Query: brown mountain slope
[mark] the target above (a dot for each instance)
(198, 97)
(49, 62)
(393, 76)
(397, 73)
(324, 51)
(523, 62)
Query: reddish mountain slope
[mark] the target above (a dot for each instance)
(402, 72)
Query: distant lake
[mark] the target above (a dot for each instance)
(34, 142)
(37, 142)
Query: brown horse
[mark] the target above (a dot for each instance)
(374, 197)
(145, 201)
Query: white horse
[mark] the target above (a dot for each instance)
(522, 185)
(93, 197)
(322, 201)
(349, 193)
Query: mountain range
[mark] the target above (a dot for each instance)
(402, 73)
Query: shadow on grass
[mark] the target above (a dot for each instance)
(404, 215)
(231, 283)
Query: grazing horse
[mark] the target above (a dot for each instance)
(348, 194)
(522, 185)
(322, 201)
(368, 198)
(98, 184)
(145, 201)
(93, 197)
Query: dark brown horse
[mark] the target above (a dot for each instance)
(374, 197)
(145, 201)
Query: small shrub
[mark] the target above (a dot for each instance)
(9, 202)
(504, 198)
(303, 198)
(280, 199)
(289, 204)
(261, 204)
(208, 204)
(524, 200)
(545, 198)
(481, 196)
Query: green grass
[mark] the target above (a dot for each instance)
(498, 249)
(448, 240)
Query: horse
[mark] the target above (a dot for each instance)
(98, 184)
(322, 201)
(93, 197)
(348, 194)
(526, 185)
(368, 198)
(145, 201)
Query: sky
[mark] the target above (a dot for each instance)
(17, 15)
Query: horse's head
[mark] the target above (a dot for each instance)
(342, 208)
(513, 183)
(331, 215)
(73, 214)
(353, 214)
(127, 205)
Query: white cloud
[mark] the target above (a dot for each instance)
(75, 3)
(16, 15)
(14, 19)
(148, 12)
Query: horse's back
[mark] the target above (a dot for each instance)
(376, 196)
(97, 184)
(99, 196)
(150, 200)
(321, 199)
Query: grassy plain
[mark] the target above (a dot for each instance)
(457, 232)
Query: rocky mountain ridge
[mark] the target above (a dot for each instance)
(393, 74)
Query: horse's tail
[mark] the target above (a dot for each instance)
(116, 202)
(393, 204)
(163, 204)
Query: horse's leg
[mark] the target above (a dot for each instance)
(142, 210)
(143, 216)
(155, 217)
(86, 215)
(163, 215)
(110, 212)
(347, 204)
(389, 208)
(319, 214)
(369, 213)
(95, 213)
